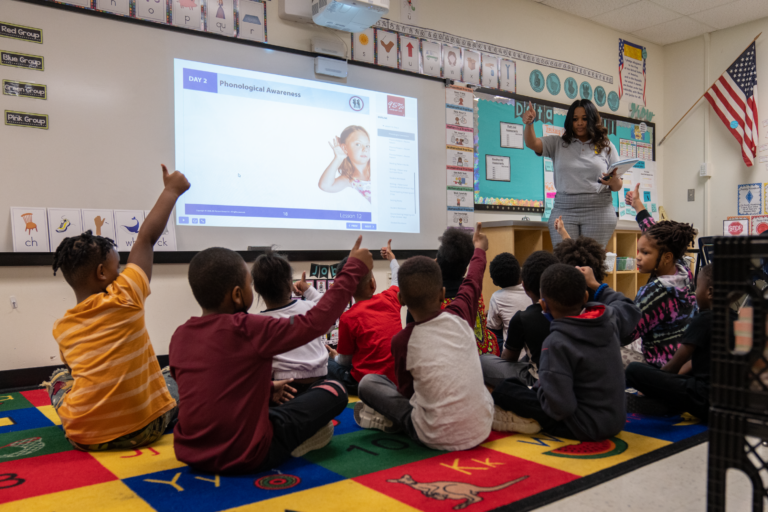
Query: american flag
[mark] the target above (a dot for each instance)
(734, 98)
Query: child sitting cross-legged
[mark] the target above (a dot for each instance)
(505, 303)
(273, 281)
(688, 392)
(527, 331)
(366, 330)
(113, 394)
(580, 392)
(439, 398)
(222, 362)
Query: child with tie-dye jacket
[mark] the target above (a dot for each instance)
(668, 301)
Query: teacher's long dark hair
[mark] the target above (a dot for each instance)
(598, 134)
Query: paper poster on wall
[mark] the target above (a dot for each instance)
(512, 135)
(63, 223)
(409, 54)
(452, 62)
(114, 6)
(187, 14)
(551, 129)
(632, 72)
(458, 97)
(252, 16)
(455, 136)
(735, 227)
(458, 177)
(220, 17)
(100, 222)
(628, 148)
(489, 71)
(153, 10)
(386, 48)
(758, 224)
(750, 199)
(167, 241)
(431, 58)
(507, 75)
(549, 188)
(497, 168)
(363, 46)
(462, 219)
(460, 199)
(29, 226)
(471, 71)
(459, 158)
(458, 117)
(127, 226)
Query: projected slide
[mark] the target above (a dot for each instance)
(272, 151)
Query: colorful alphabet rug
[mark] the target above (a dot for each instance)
(359, 470)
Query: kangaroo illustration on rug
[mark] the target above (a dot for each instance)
(452, 490)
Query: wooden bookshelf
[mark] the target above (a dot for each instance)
(522, 238)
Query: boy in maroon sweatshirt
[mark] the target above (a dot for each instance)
(222, 362)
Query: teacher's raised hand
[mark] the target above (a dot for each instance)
(529, 115)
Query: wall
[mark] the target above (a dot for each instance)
(702, 137)
(519, 24)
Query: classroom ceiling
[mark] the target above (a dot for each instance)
(664, 21)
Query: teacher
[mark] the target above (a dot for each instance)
(581, 158)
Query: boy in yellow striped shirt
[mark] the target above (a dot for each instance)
(112, 393)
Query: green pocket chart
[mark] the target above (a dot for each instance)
(498, 121)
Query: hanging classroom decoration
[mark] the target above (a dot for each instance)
(553, 84)
(536, 79)
(632, 71)
(431, 58)
(187, 14)
(120, 7)
(507, 75)
(452, 62)
(489, 71)
(410, 57)
(750, 199)
(251, 20)
(30, 229)
(471, 71)
(220, 17)
(459, 127)
(363, 46)
(386, 48)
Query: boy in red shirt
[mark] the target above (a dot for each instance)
(222, 362)
(366, 330)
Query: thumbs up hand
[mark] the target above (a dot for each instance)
(529, 115)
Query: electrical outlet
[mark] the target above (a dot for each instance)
(389, 275)
(691, 194)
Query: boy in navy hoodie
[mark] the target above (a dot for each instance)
(580, 393)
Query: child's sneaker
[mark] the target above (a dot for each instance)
(507, 421)
(320, 440)
(367, 417)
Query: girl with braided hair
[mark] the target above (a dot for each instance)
(668, 301)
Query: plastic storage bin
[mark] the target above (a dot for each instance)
(625, 263)
(610, 261)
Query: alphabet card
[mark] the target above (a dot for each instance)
(431, 58)
(489, 71)
(386, 48)
(30, 229)
(508, 75)
(252, 17)
(63, 223)
(167, 241)
(79, 3)
(152, 10)
(363, 46)
(100, 222)
(115, 6)
(220, 17)
(452, 62)
(187, 14)
(127, 226)
(471, 72)
(409, 54)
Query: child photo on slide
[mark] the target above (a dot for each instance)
(351, 164)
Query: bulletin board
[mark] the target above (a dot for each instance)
(511, 177)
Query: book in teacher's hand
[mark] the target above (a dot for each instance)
(621, 167)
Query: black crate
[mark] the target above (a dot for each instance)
(739, 379)
(736, 441)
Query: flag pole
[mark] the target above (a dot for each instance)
(713, 83)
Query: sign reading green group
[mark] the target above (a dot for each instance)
(26, 120)
(21, 32)
(25, 90)
(22, 60)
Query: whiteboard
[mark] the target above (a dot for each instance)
(111, 110)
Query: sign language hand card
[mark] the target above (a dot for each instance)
(30, 229)
(489, 72)
(386, 48)
(187, 14)
(452, 62)
(409, 54)
(471, 73)
(100, 222)
(220, 17)
(63, 223)
(252, 15)
(431, 58)
(363, 45)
